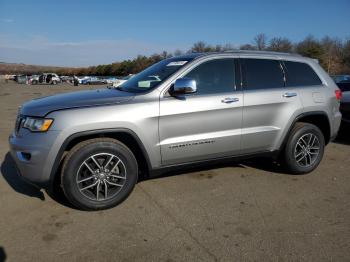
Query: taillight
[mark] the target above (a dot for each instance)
(338, 94)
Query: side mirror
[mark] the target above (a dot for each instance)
(184, 86)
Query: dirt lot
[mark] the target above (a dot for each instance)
(236, 212)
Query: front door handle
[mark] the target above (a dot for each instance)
(228, 100)
(288, 94)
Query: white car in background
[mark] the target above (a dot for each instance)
(82, 80)
(45, 78)
(111, 80)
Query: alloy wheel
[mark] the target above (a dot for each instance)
(307, 150)
(101, 176)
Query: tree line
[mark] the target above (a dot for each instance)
(332, 53)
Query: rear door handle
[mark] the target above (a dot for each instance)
(228, 100)
(289, 94)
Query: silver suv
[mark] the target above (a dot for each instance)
(181, 111)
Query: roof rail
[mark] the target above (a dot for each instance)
(260, 52)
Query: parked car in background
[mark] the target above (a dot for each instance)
(45, 78)
(83, 80)
(344, 86)
(341, 78)
(91, 80)
(66, 79)
(345, 108)
(122, 80)
(21, 79)
(111, 80)
(95, 81)
(30, 79)
(179, 112)
(11, 77)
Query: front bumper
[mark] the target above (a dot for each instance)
(33, 155)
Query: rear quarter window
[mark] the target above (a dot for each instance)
(300, 74)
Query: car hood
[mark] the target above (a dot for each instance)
(43, 106)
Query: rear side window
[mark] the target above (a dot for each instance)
(215, 76)
(300, 74)
(262, 73)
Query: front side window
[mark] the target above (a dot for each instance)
(262, 73)
(300, 74)
(215, 76)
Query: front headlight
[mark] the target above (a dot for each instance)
(37, 124)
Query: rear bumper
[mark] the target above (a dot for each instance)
(337, 119)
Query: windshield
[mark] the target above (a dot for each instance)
(154, 75)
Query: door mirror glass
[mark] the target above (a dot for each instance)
(184, 86)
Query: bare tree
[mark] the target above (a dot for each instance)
(218, 48)
(310, 47)
(280, 44)
(332, 54)
(260, 41)
(346, 55)
(200, 47)
(228, 47)
(166, 54)
(247, 47)
(178, 52)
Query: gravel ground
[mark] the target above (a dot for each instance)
(246, 211)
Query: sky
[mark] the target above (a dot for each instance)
(83, 33)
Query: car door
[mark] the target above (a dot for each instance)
(206, 124)
(269, 106)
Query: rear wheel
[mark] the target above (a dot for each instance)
(99, 174)
(54, 82)
(304, 149)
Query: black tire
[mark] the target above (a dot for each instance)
(75, 160)
(54, 82)
(34, 82)
(289, 154)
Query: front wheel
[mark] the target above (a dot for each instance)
(304, 149)
(99, 174)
